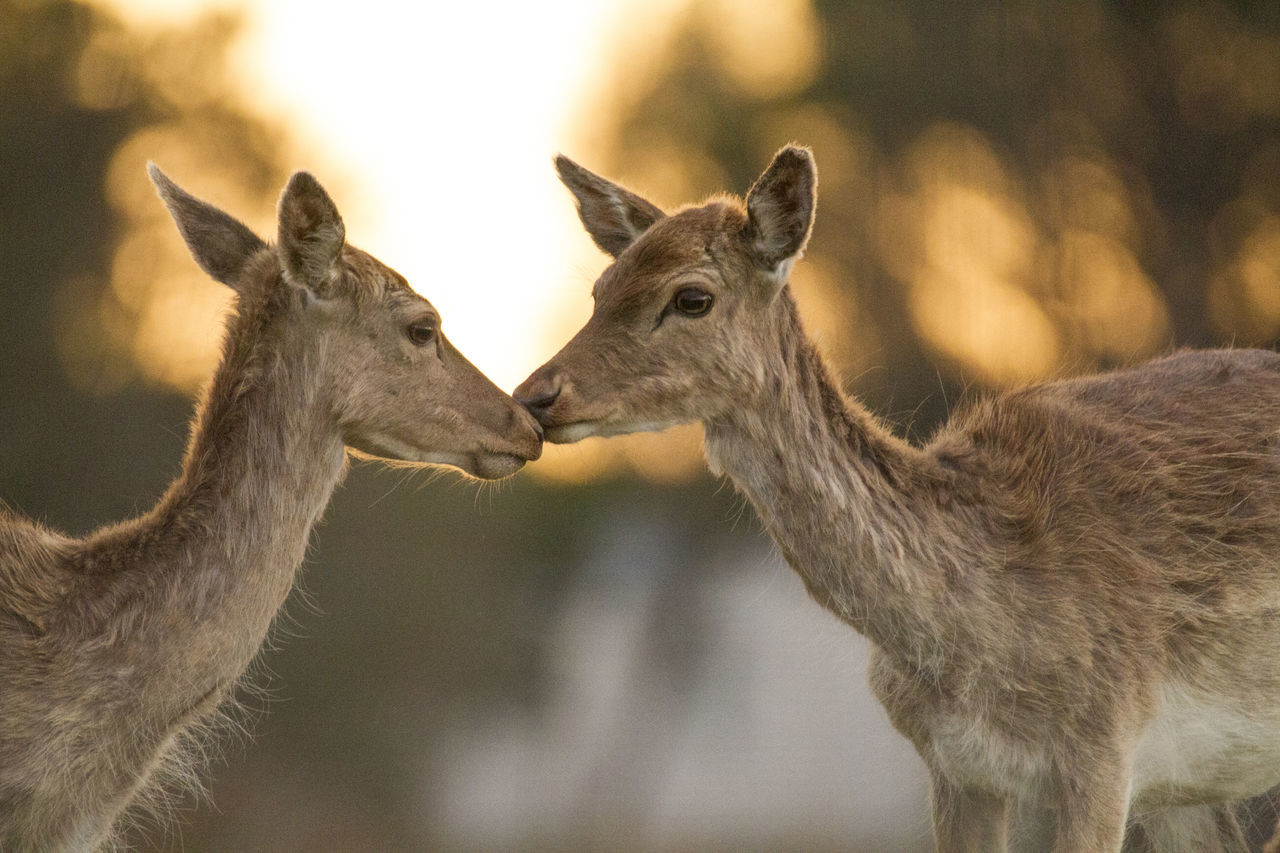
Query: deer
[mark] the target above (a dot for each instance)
(1071, 590)
(118, 648)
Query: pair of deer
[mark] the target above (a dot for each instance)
(1073, 590)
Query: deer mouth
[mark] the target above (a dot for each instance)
(481, 464)
(493, 466)
(484, 463)
(576, 431)
(494, 463)
(489, 464)
(572, 432)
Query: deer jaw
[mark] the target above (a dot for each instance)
(685, 318)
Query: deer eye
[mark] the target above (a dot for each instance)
(692, 301)
(421, 332)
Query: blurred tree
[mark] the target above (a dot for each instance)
(83, 99)
(55, 154)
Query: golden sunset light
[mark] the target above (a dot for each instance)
(434, 129)
(433, 126)
(976, 379)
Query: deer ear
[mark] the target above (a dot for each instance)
(220, 244)
(613, 216)
(311, 235)
(780, 207)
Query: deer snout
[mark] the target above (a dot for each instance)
(516, 439)
(539, 392)
(523, 422)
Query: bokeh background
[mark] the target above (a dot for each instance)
(604, 652)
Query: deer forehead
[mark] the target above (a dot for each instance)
(695, 240)
(371, 280)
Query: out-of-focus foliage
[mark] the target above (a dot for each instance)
(87, 102)
(84, 102)
(1007, 190)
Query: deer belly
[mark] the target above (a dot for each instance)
(1203, 747)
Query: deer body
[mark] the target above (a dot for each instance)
(114, 648)
(1072, 590)
(152, 621)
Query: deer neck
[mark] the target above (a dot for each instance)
(198, 580)
(850, 505)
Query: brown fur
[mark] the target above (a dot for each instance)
(1072, 591)
(115, 646)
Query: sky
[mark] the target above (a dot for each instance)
(434, 125)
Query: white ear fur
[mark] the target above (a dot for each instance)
(311, 298)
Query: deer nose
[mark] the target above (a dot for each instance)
(538, 393)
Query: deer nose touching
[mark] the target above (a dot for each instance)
(523, 420)
(539, 393)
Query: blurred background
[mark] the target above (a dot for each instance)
(605, 652)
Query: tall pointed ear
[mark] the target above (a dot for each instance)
(613, 216)
(780, 207)
(311, 234)
(220, 244)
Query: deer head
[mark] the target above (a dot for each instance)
(394, 385)
(686, 316)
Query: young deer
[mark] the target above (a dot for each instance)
(114, 646)
(1072, 591)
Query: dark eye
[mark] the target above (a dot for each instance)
(421, 332)
(692, 302)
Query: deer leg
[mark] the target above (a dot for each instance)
(1093, 807)
(968, 820)
(1231, 835)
